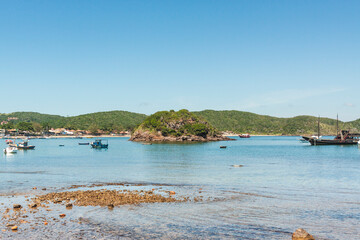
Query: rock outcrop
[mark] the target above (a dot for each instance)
(146, 136)
(181, 126)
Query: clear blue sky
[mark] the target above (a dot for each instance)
(280, 58)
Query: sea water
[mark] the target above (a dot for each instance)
(282, 185)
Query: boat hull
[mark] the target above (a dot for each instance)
(316, 142)
(99, 146)
(26, 148)
(244, 136)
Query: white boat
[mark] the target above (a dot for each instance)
(10, 150)
(316, 137)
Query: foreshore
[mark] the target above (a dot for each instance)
(42, 209)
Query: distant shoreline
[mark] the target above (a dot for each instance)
(127, 136)
(71, 137)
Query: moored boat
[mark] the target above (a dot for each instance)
(10, 150)
(23, 145)
(344, 137)
(246, 135)
(98, 144)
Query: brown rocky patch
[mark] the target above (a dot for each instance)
(105, 197)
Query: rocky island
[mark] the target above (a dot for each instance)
(171, 126)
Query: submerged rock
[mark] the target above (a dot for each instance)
(237, 166)
(301, 234)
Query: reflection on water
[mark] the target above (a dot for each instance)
(282, 185)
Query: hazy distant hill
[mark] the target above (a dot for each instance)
(246, 122)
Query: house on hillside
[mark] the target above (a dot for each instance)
(12, 118)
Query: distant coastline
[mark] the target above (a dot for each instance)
(231, 121)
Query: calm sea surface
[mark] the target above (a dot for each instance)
(283, 185)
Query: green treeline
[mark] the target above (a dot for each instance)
(235, 121)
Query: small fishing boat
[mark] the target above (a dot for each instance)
(98, 144)
(84, 143)
(10, 150)
(244, 135)
(23, 145)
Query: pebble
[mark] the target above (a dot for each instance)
(17, 206)
(44, 189)
(14, 228)
(69, 205)
(110, 206)
(34, 188)
(171, 192)
(34, 205)
(62, 215)
(45, 223)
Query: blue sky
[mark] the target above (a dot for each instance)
(280, 58)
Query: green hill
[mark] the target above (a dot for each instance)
(53, 120)
(107, 121)
(246, 122)
(235, 121)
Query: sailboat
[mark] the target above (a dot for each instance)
(344, 137)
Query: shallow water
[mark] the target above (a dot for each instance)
(283, 185)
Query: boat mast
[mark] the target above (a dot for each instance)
(319, 127)
(337, 124)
